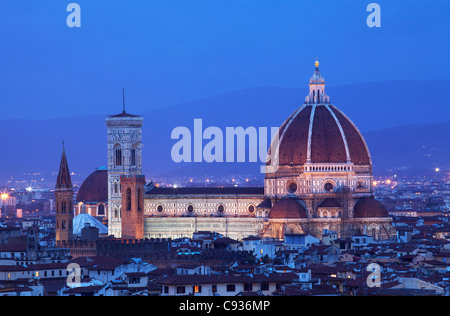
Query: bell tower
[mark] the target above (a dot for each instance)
(132, 206)
(64, 202)
(124, 132)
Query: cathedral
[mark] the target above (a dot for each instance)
(324, 181)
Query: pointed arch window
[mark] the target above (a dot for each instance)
(117, 156)
(133, 157)
(128, 199)
(63, 207)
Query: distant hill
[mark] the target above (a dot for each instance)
(402, 121)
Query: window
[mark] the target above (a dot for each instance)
(190, 209)
(220, 209)
(292, 187)
(101, 210)
(251, 209)
(128, 197)
(133, 157)
(248, 287)
(264, 286)
(181, 290)
(328, 187)
(160, 208)
(231, 287)
(214, 288)
(166, 290)
(117, 156)
(63, 207)
(197, 289)
(134, 280)
(140, 200)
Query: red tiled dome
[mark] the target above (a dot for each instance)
(369, 207)
(331, 136)
(287, 208)
(94, 188)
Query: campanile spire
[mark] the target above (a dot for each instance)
(64, 180)
(64, 202)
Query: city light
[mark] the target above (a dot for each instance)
(437, 169)
(4, 196)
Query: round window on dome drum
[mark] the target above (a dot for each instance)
(190, 209)
(328, 187)
(251, 209)
(221, 209)
(292, 187)
(160, 208)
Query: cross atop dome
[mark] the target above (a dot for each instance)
(317, 88)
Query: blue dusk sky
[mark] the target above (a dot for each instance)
(166, 52)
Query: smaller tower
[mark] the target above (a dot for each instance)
(64, 202)
(132, 206)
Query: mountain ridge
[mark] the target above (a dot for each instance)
(388, 125)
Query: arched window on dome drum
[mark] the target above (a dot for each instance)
(101, 210)
(128, 199)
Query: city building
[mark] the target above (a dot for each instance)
(324, 182)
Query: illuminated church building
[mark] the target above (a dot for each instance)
(324, 182)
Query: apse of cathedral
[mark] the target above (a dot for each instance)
(324, 182)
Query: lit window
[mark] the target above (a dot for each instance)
(197, 289)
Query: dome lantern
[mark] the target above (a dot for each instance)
(317, 88)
